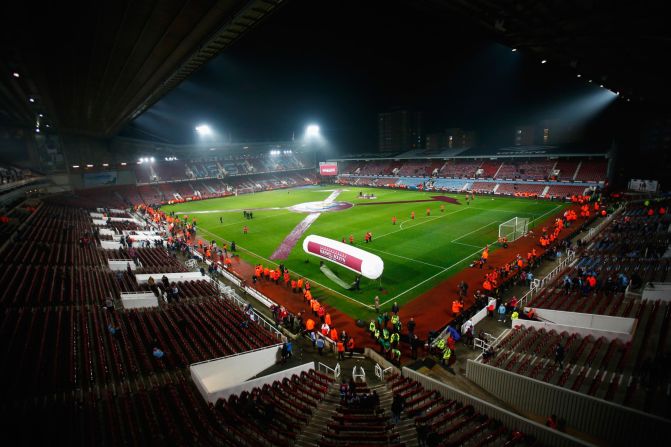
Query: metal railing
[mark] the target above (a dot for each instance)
(328, 370)
(539, 284)
(381, 372)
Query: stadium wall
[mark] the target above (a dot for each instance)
(215, 378)
(544, 434)
(614, 424)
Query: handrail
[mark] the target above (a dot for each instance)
(380, 372)
(335, 371)
(539, 284)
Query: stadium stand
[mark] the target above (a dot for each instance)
(10, 174)
(605, 279)
(459, 169)
(591, 170)
(66, 336)
(489, 169)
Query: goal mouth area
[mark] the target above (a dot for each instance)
(513, 229)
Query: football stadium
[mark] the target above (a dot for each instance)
(266, 223)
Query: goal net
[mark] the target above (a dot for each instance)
(514, 228)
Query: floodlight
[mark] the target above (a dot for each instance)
(37, 130)
(514, 50)
(31, 99)
(75, 166)
(543, 61)
(89, 166)
(579, 75)
(106, 164)
(203, 129)
(312, 131)
(16, 75)
(152, 159)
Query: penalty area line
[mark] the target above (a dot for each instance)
(457, 263)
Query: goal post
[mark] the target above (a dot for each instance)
(514, 228)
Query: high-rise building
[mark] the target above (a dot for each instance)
(524, 135)
(450, 139)
(555, 131)
(400, 130)
(436, 140)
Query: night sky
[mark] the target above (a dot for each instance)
(339, 66)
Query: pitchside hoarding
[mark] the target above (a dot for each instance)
(328, 169)
(367, 264)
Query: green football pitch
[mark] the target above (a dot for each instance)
(417, 254)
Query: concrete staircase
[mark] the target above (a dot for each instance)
(312, 433)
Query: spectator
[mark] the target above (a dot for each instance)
(320, 345)
(559, 355)
(502, 313)
(397, 408)
(157, 353)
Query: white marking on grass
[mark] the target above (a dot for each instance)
(476, 230)
(253, 220)
(456, 263)
(428, 219)
(404, 257)
(369, 306)
(433, 276)
(465, 244)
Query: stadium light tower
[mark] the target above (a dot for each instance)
(313, 139)
(312, 131)
(203, 130)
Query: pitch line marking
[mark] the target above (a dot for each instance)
(429, 219)
(471, 232)
(404, 257)
(465, 245)
(253, 220)
(437, 274)
(455, 264)
(369, 306)
(400, 294)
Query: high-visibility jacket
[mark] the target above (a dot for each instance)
(371, 326)
(340, 346)
(514, 315)
(447, 353)
(396, 353)
(334, 334)
(456, 306)
(395, 337)
(350, 343)
(441, 344)
(385, 334)
(377, 333)
(327, 319)
(310, 324)
(293, 283)
(395, 319)
(315, 305)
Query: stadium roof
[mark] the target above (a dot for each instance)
(619, 44)
(91, 67)
(534, 151)
(488, 152)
